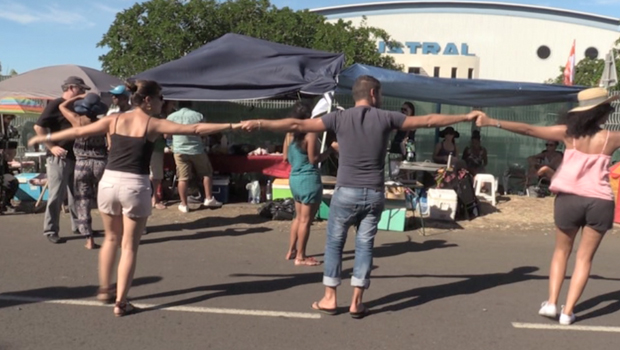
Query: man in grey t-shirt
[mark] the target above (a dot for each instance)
(362, 133)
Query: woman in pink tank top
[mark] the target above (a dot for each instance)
(584, 199)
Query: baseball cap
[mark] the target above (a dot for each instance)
(120, 90)
(73, 80)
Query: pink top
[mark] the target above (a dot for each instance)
(584, 174)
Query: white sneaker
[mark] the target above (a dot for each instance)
(212, 203)
(183, 208)
(548, 310)
(566, 320)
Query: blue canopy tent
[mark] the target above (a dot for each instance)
(461, 92)
(238, 67)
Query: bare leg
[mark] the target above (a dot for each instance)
(563, 247)
(183, 191)
(207, 183)
(329, 299)
(156, 199)
(292, 250)
(113, 226)
(132, 231)
(545, 172)
(590, 241)
(357, 302)
(308, 211)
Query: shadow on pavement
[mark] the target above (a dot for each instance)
(612, 298)
(278, 283)
(398, 248)
(471, 285)
(229, 232)
(60, 293)
(209, 222)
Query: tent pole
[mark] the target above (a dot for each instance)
(438, 111)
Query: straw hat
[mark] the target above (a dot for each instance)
(593, 97)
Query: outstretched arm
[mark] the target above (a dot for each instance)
(163, 126)
(437, 120)
(100, 127)
(552, 133)
(73, 118)
(286, 125)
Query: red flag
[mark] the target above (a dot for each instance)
(569, 70)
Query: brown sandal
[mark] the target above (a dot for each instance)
(125, 308)
(106, 295)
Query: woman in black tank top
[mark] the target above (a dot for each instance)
(124, 190)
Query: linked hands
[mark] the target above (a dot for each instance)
(250, 125)
(481, 118)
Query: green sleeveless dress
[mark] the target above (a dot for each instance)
(305, 179)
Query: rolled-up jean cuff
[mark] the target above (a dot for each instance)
(356, 282)
(331, 281)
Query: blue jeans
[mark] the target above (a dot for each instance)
(361, 207)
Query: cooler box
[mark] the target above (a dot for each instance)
(393, 217)
(26, 191)
(442, 204)
(219, 188)
(280, 189)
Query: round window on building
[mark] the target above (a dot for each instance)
(592, 53)
(543, 52)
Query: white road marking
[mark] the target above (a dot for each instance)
(566, 328)
(197, 309)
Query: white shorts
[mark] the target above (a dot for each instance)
(122, 193)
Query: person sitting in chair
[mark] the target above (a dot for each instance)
(544, 164)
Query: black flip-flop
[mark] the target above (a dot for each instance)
(361, 314)
(318, 308)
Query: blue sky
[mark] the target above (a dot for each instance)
(39, 33)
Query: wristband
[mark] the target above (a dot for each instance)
(498, 125)
(48, 137)
(258, 125)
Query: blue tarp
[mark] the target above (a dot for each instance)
(460, 92)
(237, 67)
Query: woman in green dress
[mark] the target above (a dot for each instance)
(302, 152)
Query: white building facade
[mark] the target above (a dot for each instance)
(472, 40)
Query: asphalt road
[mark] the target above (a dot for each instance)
(218, 280)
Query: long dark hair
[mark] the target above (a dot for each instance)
(301, 110)
(585, 123)
(411, 106)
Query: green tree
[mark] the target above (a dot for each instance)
(157, 31)
(588, 71)
(13, 72)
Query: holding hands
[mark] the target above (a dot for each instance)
(251, 125)
(474, 115)
(485, 120)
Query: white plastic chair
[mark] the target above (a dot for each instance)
(479, 181)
